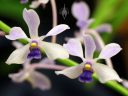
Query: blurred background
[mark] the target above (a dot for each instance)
(114, 12)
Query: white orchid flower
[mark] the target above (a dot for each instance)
(90, 65)
(29, 73)
(37, 3)
(32, 49)
(35, 78)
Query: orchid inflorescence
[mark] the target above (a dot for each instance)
(24, 54)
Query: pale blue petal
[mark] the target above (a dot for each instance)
(16, 33)
(109, 51)
(74, 48)
(104, 28)
(39, 80)
(32, 20)
(17, 77)
(57, 30)
(89, 46)
(80, 11)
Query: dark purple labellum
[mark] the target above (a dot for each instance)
(86, 76)
(34, 53)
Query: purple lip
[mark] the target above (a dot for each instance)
(34, 53)
(86, 76)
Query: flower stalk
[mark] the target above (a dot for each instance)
(54, 15)
(4, 27)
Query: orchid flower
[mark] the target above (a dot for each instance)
(35, 78)
(35, 45)
(29, 73)
(90, 65)
(36, 3)
(81, 12)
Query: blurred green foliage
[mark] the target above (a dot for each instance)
(12, 9)
(111, 11)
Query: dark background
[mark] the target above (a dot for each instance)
(61, 86)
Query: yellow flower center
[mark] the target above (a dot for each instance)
(33, 44)
(87, 67)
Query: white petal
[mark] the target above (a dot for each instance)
(17, 44)
(57, 29)
(19, 55)
(33, 21)
(44, 1)
(89, 46)
(16, 33)
(125, 83)
(105, 73)
(53, 50)
(110, 50)
(18, 77)
(71, 72)
(74, 47)
(80, 11)
(39, 80)
(34, 4)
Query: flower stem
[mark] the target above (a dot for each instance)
(54, 15)
(112, 84)
(4, 27)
